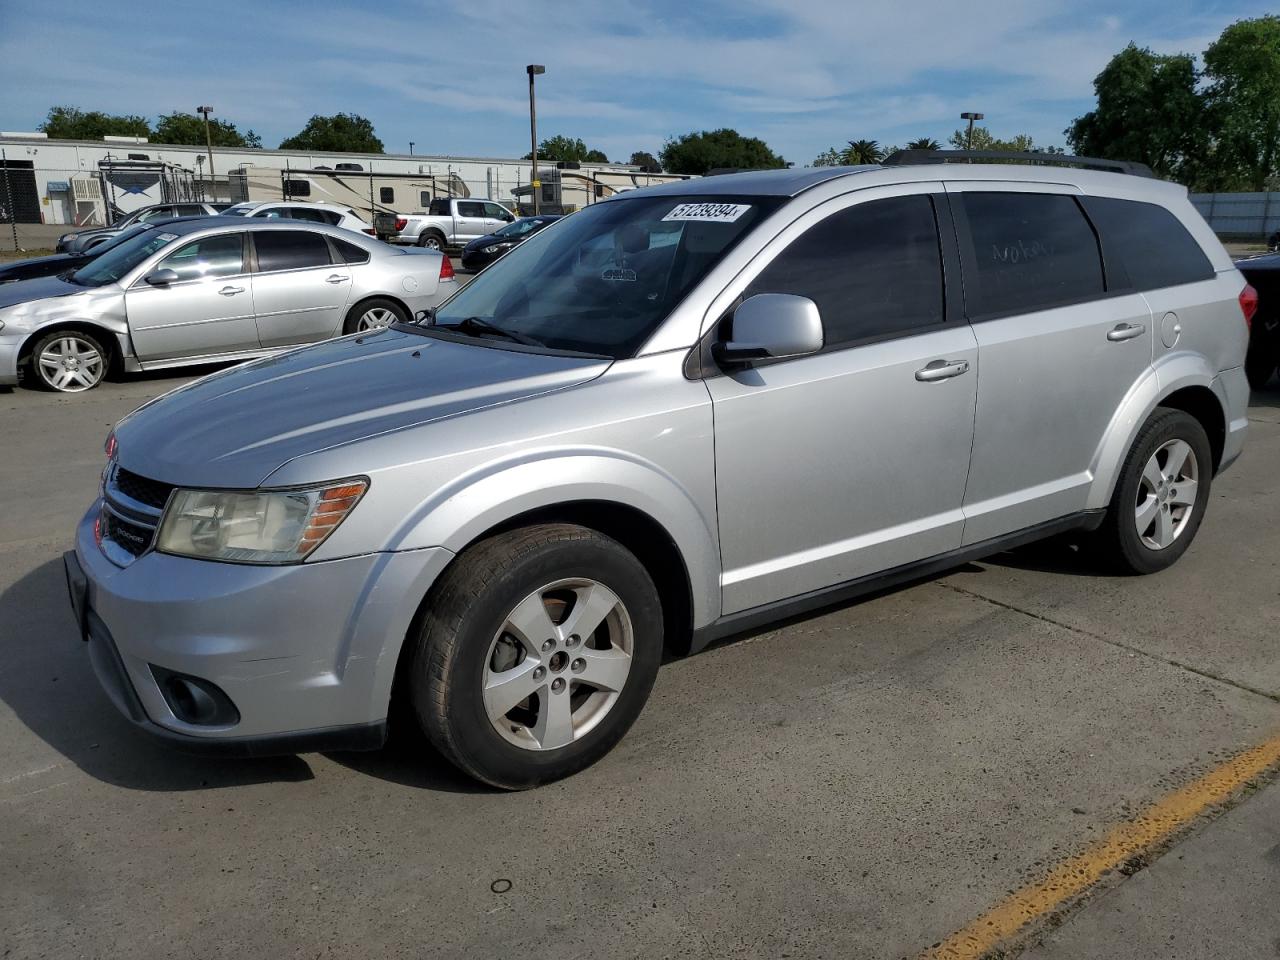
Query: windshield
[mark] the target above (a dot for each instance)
(520, 227)
(125, 235)
(237, 211)
(120, 259)
(604, 279)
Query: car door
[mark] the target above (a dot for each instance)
(469, 221)
(496, 217)
(208, 310)
(851, 461)
(1057, 351)
(299, 293)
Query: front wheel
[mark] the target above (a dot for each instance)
(69, 361)
(536, 653)
(1161, 495)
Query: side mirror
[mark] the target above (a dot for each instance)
(771, 326)
(161, 278)
(508, 217)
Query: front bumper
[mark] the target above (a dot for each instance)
(306, 653)
(9, 347)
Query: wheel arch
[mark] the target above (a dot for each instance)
(377, 296)
(113, 341)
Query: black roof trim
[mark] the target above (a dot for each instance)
(912, 157)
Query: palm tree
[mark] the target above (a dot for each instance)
(924, 143)
(863, 151)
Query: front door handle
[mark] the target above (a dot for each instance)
(1125, 331)
(942, 370)
(231, 291)
(336, 279)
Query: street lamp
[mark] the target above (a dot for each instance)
(411, 148)
(208, 143)
(968, 141)
(534, 69)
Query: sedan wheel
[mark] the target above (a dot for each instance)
(375, 318)
(70, 362)
(1167, 494)
(557, 665)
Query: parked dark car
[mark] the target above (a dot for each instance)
(1263, 274)
(58, 263)
(80, 240)
(481, 252)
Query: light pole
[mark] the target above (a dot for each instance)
(535, 185)
(208, 143)
(968, 140)
(411, 148)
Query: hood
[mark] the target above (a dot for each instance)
(41, 266)
(236, 427)
(1267, 261)
(37, 288)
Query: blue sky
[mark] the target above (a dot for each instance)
(621, 74)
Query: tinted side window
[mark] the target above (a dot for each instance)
(470, 209)
(307, 213)
(289, 250)
(220, 256)
(1148, 243)
(1030, 251)
(495, 210)
(349, 252)
(873, 269)
(189, 210)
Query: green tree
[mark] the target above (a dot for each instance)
(862, 151)
(1148, 110)
(923, 143)
(645, 161)
(701, 151)
(72, 123)
(1243, 100)
(188, 128)
(831, 157)
(572, 149)
(983, 140)
(340, 133)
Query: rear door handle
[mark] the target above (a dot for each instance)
(336, 279)
(231, 291)
(942, 370)
(1125, 331)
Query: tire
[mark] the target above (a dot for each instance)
(466, 639)
(432, 240)
(375, 314)
(1151, 483)
(70, 361)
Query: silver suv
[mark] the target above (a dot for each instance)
(671, 417)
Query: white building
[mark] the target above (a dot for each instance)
(81, 181)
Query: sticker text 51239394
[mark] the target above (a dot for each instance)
(713, 212)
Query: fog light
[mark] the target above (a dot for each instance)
(195, 701)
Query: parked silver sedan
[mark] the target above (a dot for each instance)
(207, 290)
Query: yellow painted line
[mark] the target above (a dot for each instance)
(1075, 875)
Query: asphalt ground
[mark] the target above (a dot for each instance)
(864, 782)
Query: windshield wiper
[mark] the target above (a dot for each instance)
(481, 325)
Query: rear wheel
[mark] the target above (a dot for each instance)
(373, 315)
(432, 241)
(1161, 495)
(536, 653)
(69, 361)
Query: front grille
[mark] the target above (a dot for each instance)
(153, 493)
(133, 538)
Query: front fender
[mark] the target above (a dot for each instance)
(1171, 373)
(463, 510)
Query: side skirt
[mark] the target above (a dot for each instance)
(839, 593)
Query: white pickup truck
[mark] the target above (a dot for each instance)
(448, 222)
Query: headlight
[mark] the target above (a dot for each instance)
(261, 526)
(496, 247)
(65, 237)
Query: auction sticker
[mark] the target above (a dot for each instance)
(711, 212)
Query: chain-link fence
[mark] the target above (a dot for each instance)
(1240, 216)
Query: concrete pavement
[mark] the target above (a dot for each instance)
(856, 784)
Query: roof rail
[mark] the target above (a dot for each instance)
(908, 157)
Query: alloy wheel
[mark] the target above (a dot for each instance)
(1167, 494)
(71, 364)
(558, 663)
(375, 318)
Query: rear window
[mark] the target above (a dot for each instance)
(349, 252)
(1026, 252)
(1147, 243)
(289, 250)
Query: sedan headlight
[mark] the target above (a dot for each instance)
(259, 526)
(495, 247)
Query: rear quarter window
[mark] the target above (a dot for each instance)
(1146, 246)
(1026, 252)
(349, 252)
